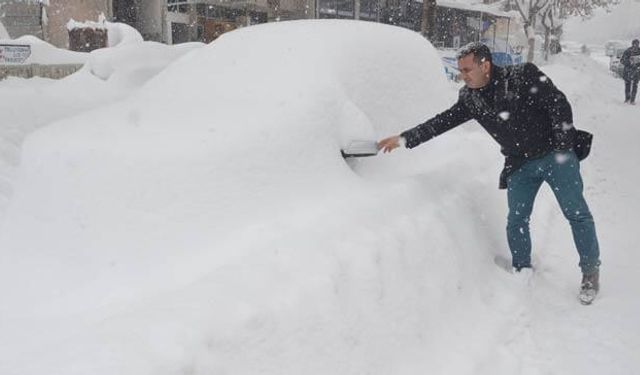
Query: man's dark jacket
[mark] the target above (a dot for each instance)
(520, 108)
(631, 70)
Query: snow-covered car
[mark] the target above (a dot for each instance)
(611, 46)
(614, 49)
(615, 66)
(228, 154)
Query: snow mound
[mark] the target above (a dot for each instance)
(121, 33)
(132, 63)
(326, 83)
(45, 53)
(212, 181)
(128, 61)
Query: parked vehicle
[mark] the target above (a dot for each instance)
(611, 46)
(615, 52)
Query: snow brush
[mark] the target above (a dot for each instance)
(359, 149)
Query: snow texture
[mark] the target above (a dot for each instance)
(191, 214)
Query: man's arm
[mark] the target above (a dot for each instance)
(437, 125)
(555, 103)
(442, 122)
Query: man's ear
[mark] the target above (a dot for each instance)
(485, 67)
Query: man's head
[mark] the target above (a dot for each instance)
(474, 63)
(635, 42)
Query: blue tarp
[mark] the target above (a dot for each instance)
(499, 58)
(503, 58)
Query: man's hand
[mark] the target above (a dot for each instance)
(389, 144)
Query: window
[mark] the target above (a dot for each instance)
(368, 9)
(179, 33)
(180, 6)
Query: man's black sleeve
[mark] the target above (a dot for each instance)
(551, 100)
(625, 59)
(437, 125)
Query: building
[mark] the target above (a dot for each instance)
(60, 12)
(458, 24)
(179, 21)
(48, 19)
(21, 18)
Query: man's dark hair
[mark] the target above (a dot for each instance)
(635, 42)
(480, 52)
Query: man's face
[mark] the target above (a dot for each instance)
(474, 75)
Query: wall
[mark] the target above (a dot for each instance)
(150, 19)
(21, 18)
(36, 70)
(60, 12)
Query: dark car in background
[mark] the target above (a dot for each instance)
(614, 49)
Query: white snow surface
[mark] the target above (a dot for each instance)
(45, 53)
(121, 33)
(201, 220)
(133, 64)
(3, 32)
(618, 22)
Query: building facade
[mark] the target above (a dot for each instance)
(180, 21)
(22, 18)
(48, 20)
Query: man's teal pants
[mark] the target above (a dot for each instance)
(562, 172)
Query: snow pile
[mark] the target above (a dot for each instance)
(130, 61)
(45, 53)
(244, 214)
(121, 33)
(206, 224)
(110, 74)
(133, 64)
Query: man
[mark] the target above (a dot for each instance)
(631, 61)
(533, 123)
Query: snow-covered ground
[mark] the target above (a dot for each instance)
(618, 22)
(194, 216)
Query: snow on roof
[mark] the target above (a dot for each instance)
(100, 25)
(473, 7)
(477, 7)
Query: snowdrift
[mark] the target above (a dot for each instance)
(108, 75)
(45, 53)
(218, 192)
(201, 220)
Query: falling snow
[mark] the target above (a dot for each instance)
(135, 240)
